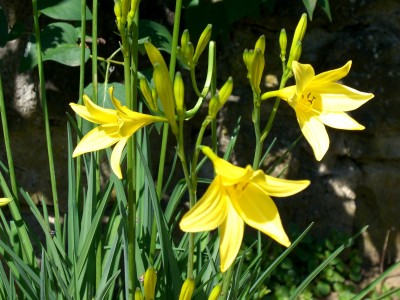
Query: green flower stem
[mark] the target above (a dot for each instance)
(256, 121)
(272, 115)
(81, 90)
(160, 174)
(7, 144)
(57, 223)
(226, 281)
(194, 82)
(109, 60)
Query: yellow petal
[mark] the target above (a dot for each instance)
(278, 187)
(95, 113)
(5, 201)
(98, 138)
(340, 120)
(338, 97)
(304, 74)
(315, 133)
(231, 236)
(116, 157)
(230, 174)
(333, 75)
(258, 210)
(137, 121)
(209, 212)
(287, 93)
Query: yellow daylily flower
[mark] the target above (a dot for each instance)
(237, 196)
(5, 201)
(318, 100)
(116, 126)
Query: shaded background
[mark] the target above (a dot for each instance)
(358, 181)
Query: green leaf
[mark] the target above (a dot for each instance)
(159, 34)
(310, 7)
(59, 43)
(326, 8)
(63, 9)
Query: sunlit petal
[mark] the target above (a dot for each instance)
(278, 187)
(304, 74)
(258, 210)
(315, 133)
(338, 97)
(98, 138)
(340, 120)
(333, 75)
(209, 212)
(137, 121)
(116, 157)
(97, 114)
(231, 236)
(287, 93)
(5, 201)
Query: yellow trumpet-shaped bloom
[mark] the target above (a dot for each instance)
(237, 196)
(116, 126)
(318, 100)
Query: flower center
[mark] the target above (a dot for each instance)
(307, 101)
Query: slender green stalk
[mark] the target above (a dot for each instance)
(164, 141)
(256, 120)
(226, 282)
(194, 82)
(8, 144)
(57, 223)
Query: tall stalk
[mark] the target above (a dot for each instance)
(57, 223)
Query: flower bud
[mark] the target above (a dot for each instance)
(189, 52)
(217, 101)
(187, 289)
(165, 91)
(179, 93)
(260, 44)
(5, 201)
(150, 280)
(138, 294)
(248, 58)
(202, 43)
(299, 32)
(147, 94)
(294, 55)
(118, 12)
(283, 43)
(216, 291)
(185, 39)
(257, 69)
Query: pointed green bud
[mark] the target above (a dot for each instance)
(216, 291)
(294, 55)
(155, 55)
(165, 91)
(283, 43)
(138, 294)
(260, 44)
(217, 101)
(125, 10)
(118, 13)
(299, 32)
(248, 58)
(185, 39)
(202, 43)
(5, 201)
(257, 69)
(179, 93)
(187, 289)
(150, 280)
(189, 52)
(147, 93)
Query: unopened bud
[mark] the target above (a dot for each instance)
(283, 43)
(150, 280)
(216, 291)
(217, 101)
(147, 93)
(118, 13)
(138, 294)
(179, 93)
(5, 201)
(257, 69)
(299, 32)
(202, 43)
(260, 44)
(294, 55)
(187, 289)
(189, 51)
(185, 39)
(248, 58)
